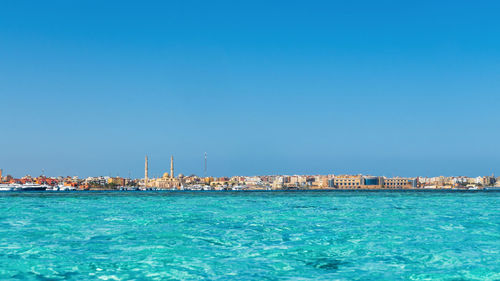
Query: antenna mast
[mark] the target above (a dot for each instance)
(205, 164)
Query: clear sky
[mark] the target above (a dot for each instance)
(264, 87)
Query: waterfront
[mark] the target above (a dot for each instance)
(349, 235)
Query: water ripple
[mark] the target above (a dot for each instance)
(250, 236)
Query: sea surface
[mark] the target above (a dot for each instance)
(382, 235)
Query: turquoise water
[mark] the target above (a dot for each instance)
(250, 236)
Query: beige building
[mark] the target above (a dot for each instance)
(369, 182)
(117, 181)
(348, 182)
(398, 183)
(167, 181)
(320, 182)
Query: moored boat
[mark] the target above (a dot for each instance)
(7, 187)
(31, 187)
(63, 187)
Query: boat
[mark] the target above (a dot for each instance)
(7, 187)
(238, 187)
(63, 187)
(31, 187)
(52, 188)
(472, 187)
(196, 187)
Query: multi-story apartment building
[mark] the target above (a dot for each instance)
(278, 183)
(92, 180)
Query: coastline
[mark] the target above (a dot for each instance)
(252, 191)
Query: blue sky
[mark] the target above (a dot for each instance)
(264, 87)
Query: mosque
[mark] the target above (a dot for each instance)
(167, 181)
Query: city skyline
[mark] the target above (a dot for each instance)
(181, 182)
(390, 88)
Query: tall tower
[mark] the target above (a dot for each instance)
(172, 166)
(146, 171)
(205, 171)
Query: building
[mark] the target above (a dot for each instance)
(348, 182)
(116, 181)
(318, 182)
(489, 181)
(222, 182)
(94, 181)
(398, 183)
(278, 183)
(371, 182)
(167, 181)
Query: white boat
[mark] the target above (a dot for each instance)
(31, 187)
(62, 187)
(472, 187)
(7, 187)
(52, 188)
(196, 187)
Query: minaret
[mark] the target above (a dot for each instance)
(146, 172)
(172, 166)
